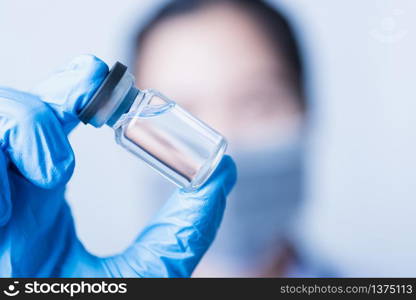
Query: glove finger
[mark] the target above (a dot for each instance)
(174, 242)
(70, 88)
(34, 139)
(5, 202)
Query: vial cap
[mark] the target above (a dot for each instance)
(104, 93)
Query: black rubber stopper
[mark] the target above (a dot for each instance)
(102, 95)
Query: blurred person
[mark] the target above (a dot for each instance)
(236, 64)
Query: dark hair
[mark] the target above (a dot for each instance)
(276, 26)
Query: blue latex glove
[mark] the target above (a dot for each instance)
(37, 235)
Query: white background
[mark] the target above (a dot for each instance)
(360, 213)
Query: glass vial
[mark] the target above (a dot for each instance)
(156, 129)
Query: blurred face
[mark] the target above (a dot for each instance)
(219, 65)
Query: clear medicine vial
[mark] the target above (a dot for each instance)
(156, 129)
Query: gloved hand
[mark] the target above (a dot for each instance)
(37, 235)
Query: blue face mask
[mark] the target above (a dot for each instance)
(261, 208)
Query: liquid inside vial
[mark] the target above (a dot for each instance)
(172, 141)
